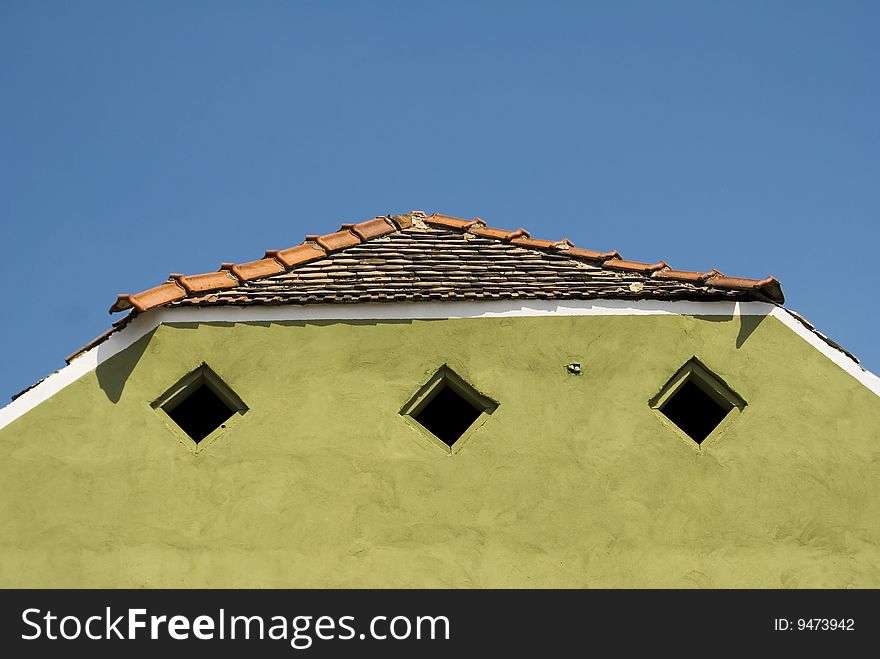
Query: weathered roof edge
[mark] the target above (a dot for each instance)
(797, 320)
(315, 247)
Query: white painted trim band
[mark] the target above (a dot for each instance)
(144, 323)
(867, 378)
(457, 309)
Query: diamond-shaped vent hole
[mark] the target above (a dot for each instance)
(200, 403)
(200, 413)
(696, 401)
(448, 408)
(448, 415)
(695, 411)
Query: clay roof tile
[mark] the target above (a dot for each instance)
(519, 233)
(210, 281)
(374, 228)
(293, 256)
(489, 232)
(633, 266)
(591, 255)
(769, 285)
(152, 297)
(526, 241)
(684, 275)
(451, 222)
(402, 221)
(495, 285)
(254, 269)
(332, 242)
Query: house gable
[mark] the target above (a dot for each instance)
(572, 480)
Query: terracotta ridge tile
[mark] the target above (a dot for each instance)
(401, 221)
(489, 232)
(170, 291)
(520, 237)
(451, 222)
(591, 254)
(332, 242)
(685, 275)
(723, 281)
(770, 286)
(378, 226)
(634, 266)
(526, 241)
(297, 255)
(251, 270)
(123, 302)
(209, 281)
(519, 233)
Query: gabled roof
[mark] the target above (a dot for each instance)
(436, 257)
(433, 258)
(420, 257)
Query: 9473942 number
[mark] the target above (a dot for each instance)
(814, 624)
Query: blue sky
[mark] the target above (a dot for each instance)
(142, 138)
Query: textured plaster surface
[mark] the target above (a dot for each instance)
(574, 481)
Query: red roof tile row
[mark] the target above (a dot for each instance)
(318, 246)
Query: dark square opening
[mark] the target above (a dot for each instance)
(694, 411)
(448, 415)
(200, 413)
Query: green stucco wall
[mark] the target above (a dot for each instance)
(574, 481)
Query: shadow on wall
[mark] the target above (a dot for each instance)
(114, 372)
(194, 325)
(747, 325)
